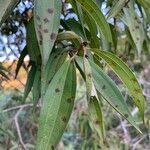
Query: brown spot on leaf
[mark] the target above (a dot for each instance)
(40, 36)
(45, 30)
(137, 90)
(53, 36)
(40, 26)
(103, 87)
(85, 43)
(137, 27)
(64, 119)
(38, 18)
(97, 122)
(136, 18)
(55, 57)
(57, 90)
(89, 75)
(50, 10)
(69, 100)
(75, 108)
(40, 42)
(86, 56)
(134, 80)
(52, 147)
(45, 20)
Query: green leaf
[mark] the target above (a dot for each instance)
(132, 20)
(68, 35)
(21, 59)
(145, 4)
(29, 83)
(111, 93)
(32, 43)
(93, 10)
(6, 7)
(94, 41)
(96, 117)
(78, 10)
(116, 8)
(36, 90)
(47, 21)
(126, 75)
(75, 26)
(54, 63)
(57, 107)
(88, 77)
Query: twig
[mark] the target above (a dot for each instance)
(19, 107)
(127, 137)
(138, 142)
(18, 128)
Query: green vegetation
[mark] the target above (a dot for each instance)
(68, 55)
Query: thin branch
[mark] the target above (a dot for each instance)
(138, 142)
(19, 107)
(127, 137)
(18, 128)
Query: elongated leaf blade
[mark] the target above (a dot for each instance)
(29, 83)
(132, 20)
(116, 8)
(126, 75)
(93, 10)
(57, 107)
(32, 43)
(96, 117)
(21, 59)
(47, 21)
(78, 10)
(54, 63)
(95, 42)
(111, 93)
(68, 35)
(36, 90)
(88, 77)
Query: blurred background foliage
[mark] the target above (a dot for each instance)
(19, 123)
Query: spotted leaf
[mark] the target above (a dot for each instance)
(126, 75)
(47, 21)
(57, 107)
